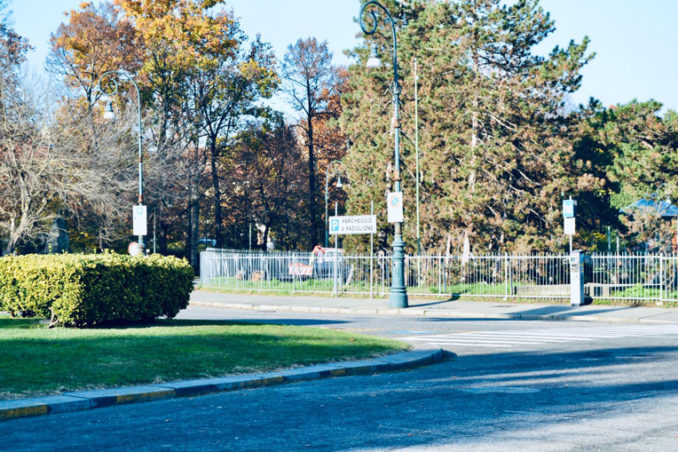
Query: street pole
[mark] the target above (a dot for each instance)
(416, 148)
(111, 89)
(327, 198)
(398, 295)
(371, 253)
(336, 248)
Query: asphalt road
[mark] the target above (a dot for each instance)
(513, 385)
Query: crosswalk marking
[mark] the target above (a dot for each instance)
(539, 336)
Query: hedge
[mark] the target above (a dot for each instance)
(88, 290)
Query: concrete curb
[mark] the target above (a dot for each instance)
(84, 400)
(418, 312)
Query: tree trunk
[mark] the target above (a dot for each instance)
(218, 219)
(193, 222)
(474, 144)
(312, 206)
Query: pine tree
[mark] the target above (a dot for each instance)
(495, 138)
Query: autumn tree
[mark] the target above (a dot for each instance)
(311, 81)
(180, 39)
(94, 40)
(267, 180)
(41, 168)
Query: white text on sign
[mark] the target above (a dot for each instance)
(357, 224)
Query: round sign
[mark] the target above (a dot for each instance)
(134, 249)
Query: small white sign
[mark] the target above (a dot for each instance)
(394, 203)
(569, 226)
(134, 249)
(569, 208)
(139, 223)
(357, 224)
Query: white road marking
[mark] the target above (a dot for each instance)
(558, 335)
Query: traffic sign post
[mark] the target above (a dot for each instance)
(569, 214)
(394, 203)
(139, 223)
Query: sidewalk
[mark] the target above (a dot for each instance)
(454, 309)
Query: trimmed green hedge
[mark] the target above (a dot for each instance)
(88, 290)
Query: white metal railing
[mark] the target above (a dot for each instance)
(615, 277)
(633, 277)
(484, 276)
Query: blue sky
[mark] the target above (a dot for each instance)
(636, 42)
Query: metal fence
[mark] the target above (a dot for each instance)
(632, 277)
(336, 273)
(627, 277)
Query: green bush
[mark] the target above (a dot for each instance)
(87, 290)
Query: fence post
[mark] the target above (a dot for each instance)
(440, 279)
(661, 278)
(294, 276)
(506, 277)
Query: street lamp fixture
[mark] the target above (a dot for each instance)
(108, 84)
(398, 295)
(373, 62)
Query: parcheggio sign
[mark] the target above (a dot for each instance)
(357, 224)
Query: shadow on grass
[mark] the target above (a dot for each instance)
(71, 359)
(8, 322)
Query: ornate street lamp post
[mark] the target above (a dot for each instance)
(327, 197)
(398, 296)
(108, 84)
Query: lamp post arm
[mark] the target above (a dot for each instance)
(373, 29)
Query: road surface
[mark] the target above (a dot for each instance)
(513, 385)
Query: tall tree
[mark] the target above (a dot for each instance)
(41, 168)
(311, 81)
(637, 148)
(268, 180)
(206, 52)
(182, 38)
(95, 39)
(496, 141)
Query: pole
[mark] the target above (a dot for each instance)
(327, 220)
(416, 148)
(336, 247)
(327, 197)
(398, 295)
(112, 89)
(371, 252)
(571, 235)
(154, 239)
(141, 167)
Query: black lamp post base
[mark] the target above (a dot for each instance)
(398, 295)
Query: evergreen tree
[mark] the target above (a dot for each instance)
(495, 137)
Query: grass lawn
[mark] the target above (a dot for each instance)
(36, 360)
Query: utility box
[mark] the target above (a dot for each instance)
(577, 279)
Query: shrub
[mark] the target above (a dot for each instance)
(88, 290)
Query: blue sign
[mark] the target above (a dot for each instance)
(569, 210)
(334, 225)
